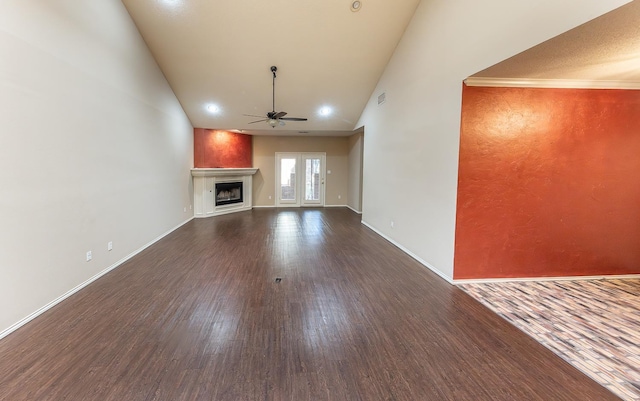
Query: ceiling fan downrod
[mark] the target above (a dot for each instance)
(274, 118)
(273, 88)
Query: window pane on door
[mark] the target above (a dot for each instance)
(288, 179)
(312, 180)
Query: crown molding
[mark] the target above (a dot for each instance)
(551, 83)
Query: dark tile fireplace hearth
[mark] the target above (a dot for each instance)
(228, 193)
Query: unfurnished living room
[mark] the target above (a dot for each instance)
(319, 200)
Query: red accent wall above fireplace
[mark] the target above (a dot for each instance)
(218, 148)
(548, 183)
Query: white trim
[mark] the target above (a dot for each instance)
(310, 206)
(561, 278)
(551, 83)
(77, 288)
(217, 172)
(408, 252)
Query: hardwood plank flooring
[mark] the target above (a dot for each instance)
(200, 316)
(592, 324)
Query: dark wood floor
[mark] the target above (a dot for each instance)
(200, 316)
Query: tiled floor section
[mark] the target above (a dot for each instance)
(592, 324)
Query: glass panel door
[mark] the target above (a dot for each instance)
(300, 179)
(313, 179)
(287, 179)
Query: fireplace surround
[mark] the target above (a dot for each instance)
(219, 191)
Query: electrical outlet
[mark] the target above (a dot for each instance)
(269, 196)
(185, 209)
(339, 196)
(109, 245)
(392, 224)
(190, 207)
(88, 256)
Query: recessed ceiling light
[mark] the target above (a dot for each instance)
(213, 108)
(325, 111)
(172, 3)
(356, 6)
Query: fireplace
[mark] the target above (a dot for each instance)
(228, 193)
(210, 184)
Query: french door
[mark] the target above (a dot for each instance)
(300, 179)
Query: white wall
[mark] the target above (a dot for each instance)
(94, 147)
(356, 142)
(412, 140)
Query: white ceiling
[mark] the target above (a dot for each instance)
(603, 52)
(221, 52)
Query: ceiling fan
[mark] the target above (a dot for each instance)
(274, 117)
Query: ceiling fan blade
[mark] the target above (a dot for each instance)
(293, 119)
(279, 114)
(252, 115)
(258, 121)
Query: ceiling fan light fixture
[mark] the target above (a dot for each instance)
(356, 6)
(273, 122)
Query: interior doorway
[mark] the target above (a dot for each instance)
(300, 179)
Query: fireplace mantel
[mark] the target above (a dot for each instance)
(204, 183)
(216, 172)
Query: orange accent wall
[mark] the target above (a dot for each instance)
(549, 183)
(217, 148)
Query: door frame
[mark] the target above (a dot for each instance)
(300, 178)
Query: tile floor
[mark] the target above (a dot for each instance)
(592, 324)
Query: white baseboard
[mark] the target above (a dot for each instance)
(560, 278)
(77, 288)
(294, 206)
(354, 210)
(408, 252)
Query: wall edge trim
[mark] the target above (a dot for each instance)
(408, 252)
(550, 83)
(558, 278)
(354, 210)
(82, 285)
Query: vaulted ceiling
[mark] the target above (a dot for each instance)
(220, 52)
(328, 55)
